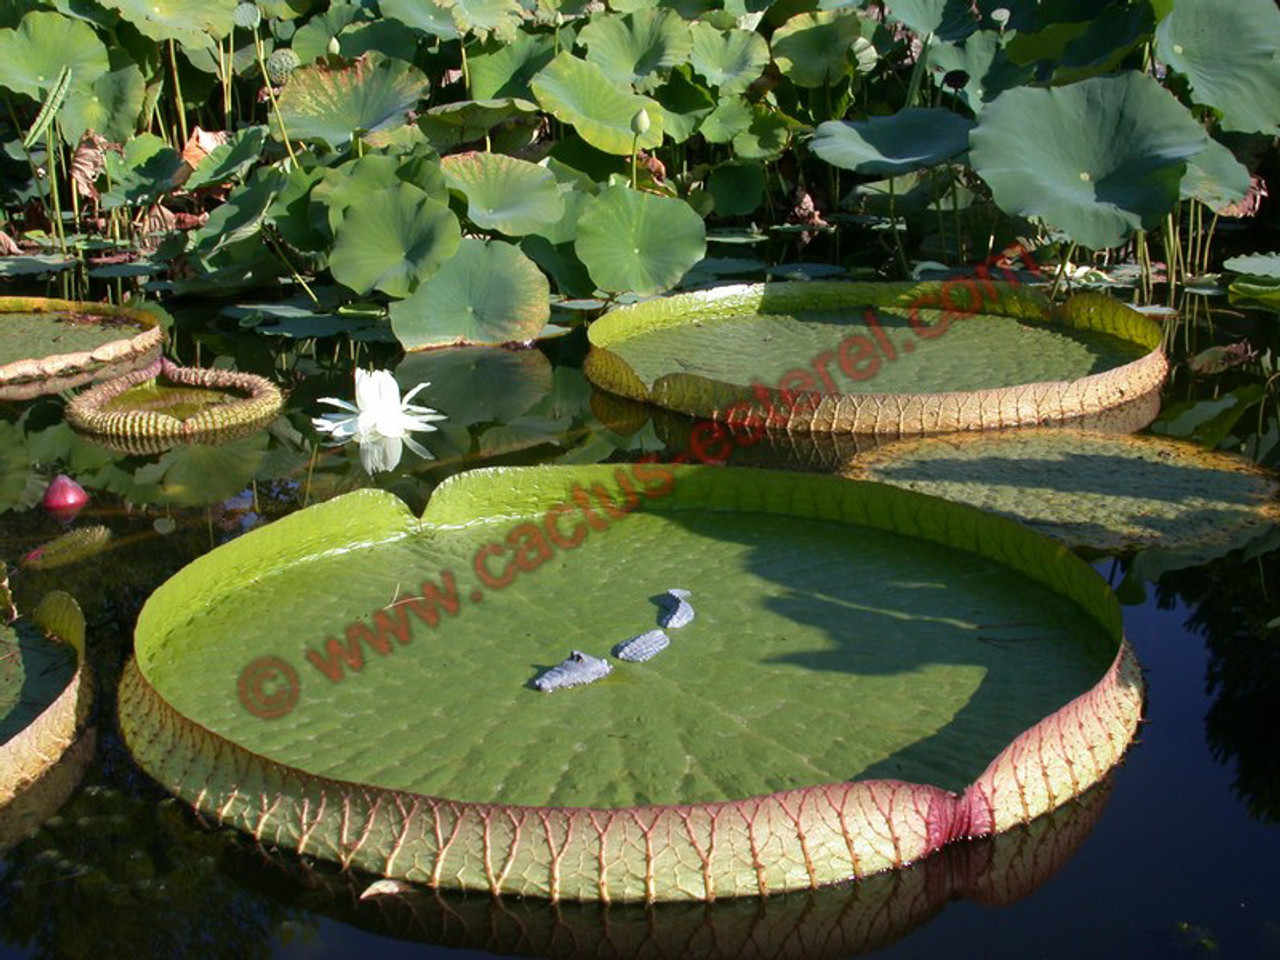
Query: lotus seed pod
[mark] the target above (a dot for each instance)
(335, 47)
(280, 64)
(247, 16)
(1000, 15)
(640, 122)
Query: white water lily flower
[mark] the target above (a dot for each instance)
(379, 420)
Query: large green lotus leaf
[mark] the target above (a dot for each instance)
(1087, 489)
(845, 635)
(899, 143)
(112, 105)
(196, 474)
(33, 54)
(393, 239)
(499, 19)
(877, 358)
(505, 69)
(1100, 159)
(487, 293)
(44, 692)
(332, 103)
(728, 59)
(182, 20)
(685, 105)
(639, 47)
(945, 19)
(1230, 52)
(347, 185)
(812, 49)
(1215, 177)
(312, 40)
(478, 384)
(1256, 265)
(427, 16)
(466, 121)
(986, 64)
(639, 242)
(511, 196)
(580, 93)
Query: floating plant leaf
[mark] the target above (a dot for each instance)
(636, 49)
(637, 241)
(1256, 265)
(45, 692)
(1230, 53)
(486, 293)
(579, 93)
(1012, 685)
(427, 16)
(392, 240)
(729, 60)
(503, 193)
(34, 53)
(332, 104)
(478, 384)
(505, 69)
(484, 18)
(886, 359)
(1099, 159)
(812, 49)
(465, 121)
(907, 140)
(45, 342)
(1093, 490)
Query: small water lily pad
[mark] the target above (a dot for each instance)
(794, 735)
(163, 404)
(48, 345)
(1095, 490)
(889, 359)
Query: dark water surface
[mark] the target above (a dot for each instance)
(1176, 855)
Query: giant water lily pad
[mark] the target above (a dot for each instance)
(355, 683)
(50, 345)
(45, 696)
(164, 404)
(878, 358)
(1088, 489)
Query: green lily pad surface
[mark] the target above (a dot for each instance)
(357, 683)
(44, 693)
(1087, 489)
(45, 342)
(877, 358)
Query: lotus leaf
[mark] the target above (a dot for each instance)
(986, 66)
(877, 358)
(427, 16)
(684, 105)
(147, 169)
(505, 69)
(637, 241)
(511, 196)
(732, 116)
(229, 160)
(1099, 159)
(793, 735)
(393, 239)
(579, 93)
(112, 106)
(1087, 489)
(90, 339)
(347, 184)
(311, 41)
(907, 140)
(45, 692)
(812, 49)
(35, 52)
(636, 49)
(729, 60)
(196, 474)
(1256, 265)
(451, 124)
(499, 19)
(945, 19)
(190, 22)
(1215, 177)
(333, 104)
(766, 136)
(737, 188)
(486, 293)
(1230, 53)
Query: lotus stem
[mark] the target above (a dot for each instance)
(271, 95)
(893, 225)
(917, 72)
(177, 94)
(1062, 271)
(52, 147)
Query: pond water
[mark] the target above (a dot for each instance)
(1174, 855)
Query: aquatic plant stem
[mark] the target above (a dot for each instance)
(893, 225)
(52, 147)
(1062, 270)
(177, 94)
(635, 140)
(917, 72)
(271, 95)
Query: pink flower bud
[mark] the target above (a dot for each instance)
(64, 498)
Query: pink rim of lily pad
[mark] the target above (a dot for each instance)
(23, 379)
